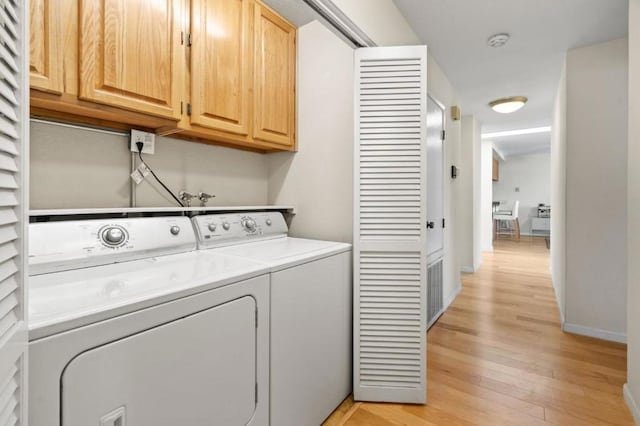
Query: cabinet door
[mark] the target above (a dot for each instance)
(129, 55)
(221, 60)
(274, 78)
(46, 46)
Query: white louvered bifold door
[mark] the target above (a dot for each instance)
(14, 122)
(390, 274)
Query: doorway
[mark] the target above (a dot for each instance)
(435, 209)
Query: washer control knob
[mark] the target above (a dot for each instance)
(226, 226)
(269, 222)
(113, 236)
(212, 227)
(249, 224)
(175, 230)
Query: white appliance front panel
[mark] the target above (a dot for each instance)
(196, 371)
(311, 340)
(285, 252)
(49, 356)
(224, 229)
(65, 245)
(66, 300)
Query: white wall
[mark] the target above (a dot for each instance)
(486, 196)
(531, 174)
(597, 93)
(318, 179)
(72, 168)
(329, 131)
(441, 89)
(632, 388)
(380, 20)
(468, 211)
(559, 192)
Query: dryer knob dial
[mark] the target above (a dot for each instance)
(175, 230)
(226, 226)
(269, 222)
(212, 227)
(249, 224)
(113, 236)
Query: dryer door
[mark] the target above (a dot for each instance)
(199, 370)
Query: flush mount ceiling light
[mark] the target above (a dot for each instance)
(498, 40)
(508, 105)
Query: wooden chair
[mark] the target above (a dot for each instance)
(508, 216)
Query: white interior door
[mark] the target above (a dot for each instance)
(14, 136)
(390, 239)
(435, 179)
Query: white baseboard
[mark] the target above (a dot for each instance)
(467, 269)
(631, 403)
(612, 336)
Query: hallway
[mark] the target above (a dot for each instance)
(498, 356)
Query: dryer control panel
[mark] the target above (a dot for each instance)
(216, 230)
(65, 245)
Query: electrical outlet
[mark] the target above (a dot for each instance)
(148, 139)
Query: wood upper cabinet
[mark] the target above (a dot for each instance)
(129, 55)
(46, 46)
(215, 71)
(495, 175)
(221, 57)
(274, 78)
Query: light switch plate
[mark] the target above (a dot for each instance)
(148, 139)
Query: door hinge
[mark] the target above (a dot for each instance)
(188, 109)
(443, 134)
(256, 392)
(256, 318)
(443, 222)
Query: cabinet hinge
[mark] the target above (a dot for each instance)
(181, 37)
(256, 318)
(188, 109)
(443, 222)
(181, 107)
(443, 134)
(256, 392)
(189, 39)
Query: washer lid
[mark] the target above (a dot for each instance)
(285, 252)
(62, 301)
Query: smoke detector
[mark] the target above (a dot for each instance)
(498, 40)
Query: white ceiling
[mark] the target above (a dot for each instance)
(541, 31)
(522, 145)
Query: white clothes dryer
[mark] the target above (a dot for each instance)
(176, 337)
(311, 310)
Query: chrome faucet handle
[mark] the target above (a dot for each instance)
(186, 197)
(204, 197)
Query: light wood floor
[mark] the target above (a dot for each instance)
(498, 356)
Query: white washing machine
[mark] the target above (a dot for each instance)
(311, 311)
(176, 337)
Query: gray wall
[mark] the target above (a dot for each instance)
(469, 213)
(318, 179)
(632, 388)
(72, 168)
(596, 183)
(559, 192)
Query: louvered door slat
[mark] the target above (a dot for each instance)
(14, 124)
(389, 228)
